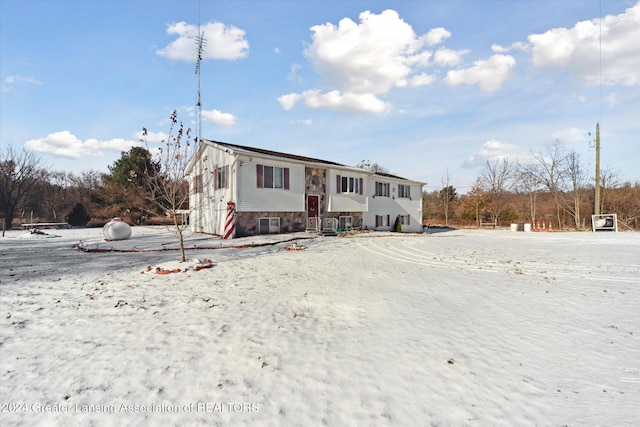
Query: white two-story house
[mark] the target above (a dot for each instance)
(276, 192)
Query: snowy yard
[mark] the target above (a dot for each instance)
(462, 328)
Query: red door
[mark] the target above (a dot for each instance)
(312, 206)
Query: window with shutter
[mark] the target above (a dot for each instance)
(404, 191)
(221, 177)
(277, 178)
(197, 184)
(268, 176)
(260, 176)
(273, 177)
(348, 185)
(383, 189)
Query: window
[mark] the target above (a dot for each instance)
(383, 220)
(405, 219)
(404, 191)
(268, 176)
(269, 225)
(354, 185)
(344, 222)
(197, 184)
(272, 177)
(221, 177)
(383, 189)
(347, 184)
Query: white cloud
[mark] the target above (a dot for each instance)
(218, 117)
(514, 46)
(293, 73)
(571, 135)
(152, 137)
(578, 48)
(303, 122)
(220, 42)
(489, 74)
(436, 36)
(369, 57)
(499, 49)
(289, 100)
(494, 150)
(422, 80)
(449, 57)
(65, 144)
(361, 61)
(9, 82)
(348, 102)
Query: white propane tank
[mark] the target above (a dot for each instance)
(116, 229)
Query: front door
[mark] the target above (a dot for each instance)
(312, 206)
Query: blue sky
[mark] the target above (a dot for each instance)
(423, 88)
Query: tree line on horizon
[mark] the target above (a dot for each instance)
(556, 188)
(141, 187)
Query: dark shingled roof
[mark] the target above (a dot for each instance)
(293, 157)
(277, 153)
(389, 175)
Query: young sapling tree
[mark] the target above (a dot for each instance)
(165, 183)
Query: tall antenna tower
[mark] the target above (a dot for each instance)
(200, 42)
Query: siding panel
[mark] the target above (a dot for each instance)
(251, 198)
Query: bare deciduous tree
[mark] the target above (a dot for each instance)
(529, 187)
(55, 193)
(167, 186)
(576, 181)
(86, 186)
(497, 179)
(19, 172)
(373, 167)
(608, 180)
(548, 172)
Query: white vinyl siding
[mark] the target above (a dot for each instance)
(409, 208)
(219, 175)
(347, 191)
(273, 196)
(209, 205)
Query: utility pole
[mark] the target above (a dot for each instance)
(596, 208)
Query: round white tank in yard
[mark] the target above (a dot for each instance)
(116, 229)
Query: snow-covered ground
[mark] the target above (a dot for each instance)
(469, 327)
